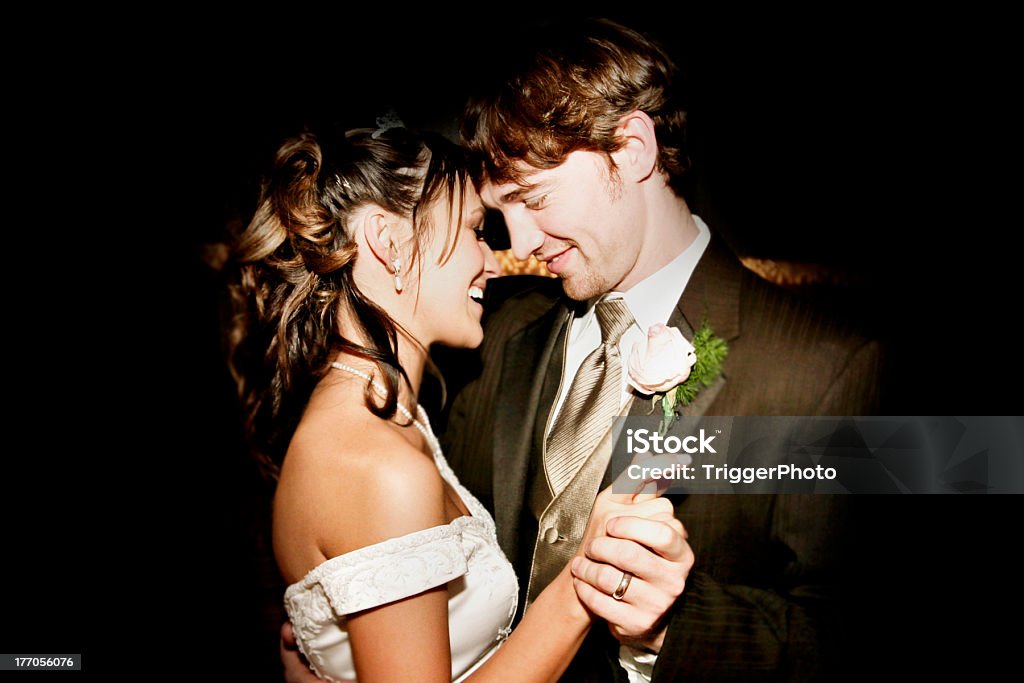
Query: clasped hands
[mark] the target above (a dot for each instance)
(634, 559)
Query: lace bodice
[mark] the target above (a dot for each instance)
(463, 554)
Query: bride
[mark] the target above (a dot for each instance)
(365, 250)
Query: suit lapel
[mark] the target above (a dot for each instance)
(713, 293)
(526, 358)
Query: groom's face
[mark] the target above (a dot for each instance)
(576, 218)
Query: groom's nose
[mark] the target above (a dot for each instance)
(523, 234)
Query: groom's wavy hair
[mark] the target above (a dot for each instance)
(291, 278)
(565, 90)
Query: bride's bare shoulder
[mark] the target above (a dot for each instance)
(349, 482)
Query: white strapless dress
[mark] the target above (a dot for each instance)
(482, 587)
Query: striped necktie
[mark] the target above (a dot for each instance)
(593, 401)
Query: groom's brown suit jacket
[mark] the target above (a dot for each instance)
(761, 600)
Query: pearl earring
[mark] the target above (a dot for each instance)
(396, 265)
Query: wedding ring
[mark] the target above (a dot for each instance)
(620, 592)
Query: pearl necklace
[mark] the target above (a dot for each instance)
(425, 430)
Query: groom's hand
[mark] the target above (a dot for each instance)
(654, 550)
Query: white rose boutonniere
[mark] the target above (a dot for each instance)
(674, 370)
(661, 361)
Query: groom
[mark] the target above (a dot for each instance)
(585, 156)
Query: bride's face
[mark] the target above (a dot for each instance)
(449, 307)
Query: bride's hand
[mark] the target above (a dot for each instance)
(638, 496)
(610, 505)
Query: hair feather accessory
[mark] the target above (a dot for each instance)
(386, 122)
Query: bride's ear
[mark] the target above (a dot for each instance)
(387, 236)
(377, 228)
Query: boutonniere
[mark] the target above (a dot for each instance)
(672, 370)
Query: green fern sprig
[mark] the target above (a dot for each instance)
(710, 351)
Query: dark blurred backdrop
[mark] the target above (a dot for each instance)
(852, 138)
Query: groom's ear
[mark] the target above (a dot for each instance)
(637, 159)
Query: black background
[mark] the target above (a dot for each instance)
(852, 137)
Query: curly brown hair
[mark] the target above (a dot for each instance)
(291, 269)
(566, 90)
